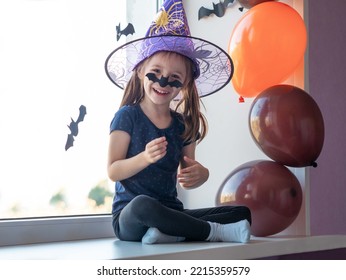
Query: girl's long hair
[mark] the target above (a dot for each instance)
(189, 105)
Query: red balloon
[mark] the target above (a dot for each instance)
(248, 4)
(271, 192)
(287, 125)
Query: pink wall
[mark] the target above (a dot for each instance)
(327, 85)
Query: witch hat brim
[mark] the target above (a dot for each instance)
(213, 67)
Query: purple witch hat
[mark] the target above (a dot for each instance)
(213, 67)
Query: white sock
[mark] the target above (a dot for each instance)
(234, 232)
(153, 235)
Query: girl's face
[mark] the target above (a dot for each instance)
(163, 76)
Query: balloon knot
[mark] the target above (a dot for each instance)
(241, 99)
(314, 164)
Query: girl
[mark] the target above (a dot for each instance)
(152, 145)
(147, 143)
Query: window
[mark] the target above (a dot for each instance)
(52, 57)
(52, 63)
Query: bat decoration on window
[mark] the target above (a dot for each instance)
(218, 9)
(129, 29)
(74, 127)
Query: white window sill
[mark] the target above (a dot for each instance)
(48, 230)
(111, 248)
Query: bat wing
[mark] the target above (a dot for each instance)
(82, 113)
(69, 142)
(204, 12)
(219, 9)
(152, 77)
(223, 6)
(129, 29)
(117, 28)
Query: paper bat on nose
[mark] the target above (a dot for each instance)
(163, 81)
(73, 126)
(218, 9)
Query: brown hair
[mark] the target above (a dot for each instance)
(189, 105)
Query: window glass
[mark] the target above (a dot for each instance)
(52, 55)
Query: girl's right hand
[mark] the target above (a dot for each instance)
(155, 150)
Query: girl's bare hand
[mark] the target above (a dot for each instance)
(194, 175)
(155, 150)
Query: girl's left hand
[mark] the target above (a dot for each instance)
(194, 175)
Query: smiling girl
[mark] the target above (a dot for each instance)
(152, 148)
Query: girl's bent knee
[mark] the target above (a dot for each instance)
(141, 201)
(142, 204)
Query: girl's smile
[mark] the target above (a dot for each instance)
(160, 92)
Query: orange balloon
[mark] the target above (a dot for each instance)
(266, 46)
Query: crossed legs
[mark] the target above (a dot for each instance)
(144, 213)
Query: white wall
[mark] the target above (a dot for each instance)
(228, 143)
(140, 13)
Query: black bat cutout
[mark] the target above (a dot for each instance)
(163, 81)
(129, 29)
(74, 127)
(218, 9)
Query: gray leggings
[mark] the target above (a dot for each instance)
(144, 212)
